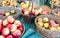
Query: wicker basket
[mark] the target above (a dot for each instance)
(45, 32)
(55, 11)
(8, 9)
(54, 6)
(30, 18)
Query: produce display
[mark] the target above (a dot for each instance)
(28, 10)
(11, 28)
(45, 23)
(3, 13)
(6, 3)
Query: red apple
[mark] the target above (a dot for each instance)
(17, 22)
(5, 31)
(10, 19)
(33, 12)
(9, 36)
(21, 28)
(1, 36)
(45, 12)
(1, 27)
(9, 25)
(13, 28)
(16, 37)
(26, 12)
(52, 23)
(23, 10)
(17, 33)
(5, 22)
(1, 22)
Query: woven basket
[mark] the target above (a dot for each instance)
(29, 18)
(54, 6)
(55, 11)
(8, 9)
(45, 32)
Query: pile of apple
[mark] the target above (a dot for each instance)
(26, 9)
(9, 3)
(45, 23)
(3, 13)
(11, 28)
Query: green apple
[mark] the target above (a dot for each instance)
(45, 19)
(13, 11)
(40, 23)
(7, 13)
(46, 25)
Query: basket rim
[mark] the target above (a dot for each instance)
(23, 31)
(53, 11)
(10, 8)
(41, 27)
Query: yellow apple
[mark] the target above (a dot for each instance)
(40, 23)
(29, 8)
(46, 25)
(7, 14)
(45, 19)
(53, 28)
(58, 28)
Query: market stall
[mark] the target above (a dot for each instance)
(29, 18)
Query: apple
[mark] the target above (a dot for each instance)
(9, 36)
(33, 12)
(36, 12)
(5, 22)
(7, 14)
(13, 28)
(39, 19)
(1, 22)
(13, 11)
(22, 4)
(53, 24)
(23, 10)
(5, 31)
(53, 28)
(46, 25)
(29, 8)
(40, 23)
(10, 19)
(17, 22)
(21, 28)
(45, 12)
(1, 27)
(40, 10)
(58, 28)
(1, 36)
(8, 26)
(45, 19)
(17, 33)
(26, 12)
